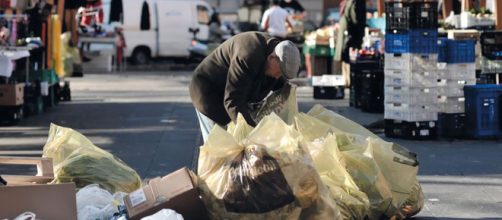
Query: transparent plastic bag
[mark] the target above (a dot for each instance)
(282, 102)
(77, 160)
(94, 202)
(269, 167)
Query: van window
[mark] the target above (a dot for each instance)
(202, 14)
(145, 17)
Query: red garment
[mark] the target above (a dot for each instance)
(88, 20)
(4, 4)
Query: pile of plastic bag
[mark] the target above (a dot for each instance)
(77, 160)
(94, 203)
(315, 165)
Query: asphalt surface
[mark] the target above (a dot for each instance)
(146, 119)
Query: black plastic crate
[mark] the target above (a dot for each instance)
(451, 125)
(33, 99)
(486, 78)
(482, 109)
(372, 92)
(366, 63)
(355, 90)
(425, 130)
(10, 115)
(491, 44)
(329, 92)
(411, 15)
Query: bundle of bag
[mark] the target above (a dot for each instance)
(315, 165)
(76, 159)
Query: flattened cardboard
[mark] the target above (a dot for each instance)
(11, 95)
(175, 191)
(54, 201)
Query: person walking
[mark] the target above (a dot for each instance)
(242, 71)
(275, 19)
(350, 34)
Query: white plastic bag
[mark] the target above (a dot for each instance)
(164, 214)
(94, 203)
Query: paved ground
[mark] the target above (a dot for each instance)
(147, 120)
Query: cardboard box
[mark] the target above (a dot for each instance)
(175, 191)
(11, 95)
(55, 201)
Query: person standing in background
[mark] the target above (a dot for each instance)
(350, 34)
(293, 7)
(216, 34)
(275, 19)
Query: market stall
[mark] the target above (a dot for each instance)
(30, 51)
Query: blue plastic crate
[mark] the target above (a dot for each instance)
(424, 41)
(442, 49)
(461, 51)
(414, 41)
(482, 108)
(397, 42)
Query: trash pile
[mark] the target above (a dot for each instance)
(292, 165)
(266, 172)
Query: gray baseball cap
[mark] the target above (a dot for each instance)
(289, 57)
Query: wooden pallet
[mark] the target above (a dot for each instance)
(45, 172)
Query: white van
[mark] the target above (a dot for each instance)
(160, 28)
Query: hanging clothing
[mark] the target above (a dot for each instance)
(23, 5)
(4, 4)
(13, 32)
(95, 13)
(5, 66)
(145, 17)
(116, 11)
(74, 4)
(36, 20)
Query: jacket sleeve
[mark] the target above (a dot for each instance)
(243, 70)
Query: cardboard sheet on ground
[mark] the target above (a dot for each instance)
(77, 160)
(261, 173)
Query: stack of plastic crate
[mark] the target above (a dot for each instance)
(491, 61)
(456, 69)
(366, 88)
(411, 69)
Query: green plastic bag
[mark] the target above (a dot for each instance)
(77, 160)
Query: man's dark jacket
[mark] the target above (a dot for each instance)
(233, 76)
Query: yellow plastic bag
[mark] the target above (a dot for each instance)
(342, 123)
(397, 165)
(77, 160)
(70, 55)
(259, 163)
(331, 166)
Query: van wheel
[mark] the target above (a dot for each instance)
(140, 56)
